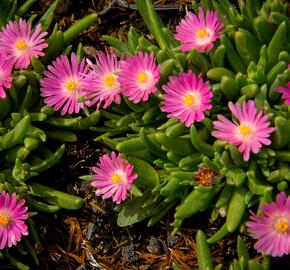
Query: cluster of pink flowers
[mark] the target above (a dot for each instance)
(135, 77)
(101, 83)
(18, 44)
(186, 96)
(105, 81)
(69, 86)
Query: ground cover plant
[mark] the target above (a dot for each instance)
(26, 124)
(197, 120)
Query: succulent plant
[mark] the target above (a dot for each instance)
(26, 124)
(188, 168)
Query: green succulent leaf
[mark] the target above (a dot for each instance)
(147, 176)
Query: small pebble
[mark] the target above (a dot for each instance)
(154, 246)
(129, 254)
(172, 240)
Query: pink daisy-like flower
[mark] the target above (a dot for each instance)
(113, 177)
(186, 97)
(19, 44)
(139, 76)
(198, 32)
(104, 87)
(64, 83)
(12, 214)
(250, 134)
(272, 229)
(5, 74)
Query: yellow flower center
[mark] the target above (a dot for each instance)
(20, 44)
(71, 85)
(142, 77)
(4, 219)
(245, 130)
(281, 225)
(110, 81)
(188, 100)
(116, 178)
(191, 100)
(201, 33)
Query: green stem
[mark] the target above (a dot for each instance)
(61, 199)
(19, 265)
(152, 21)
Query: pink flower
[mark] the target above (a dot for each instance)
(104, 87)
(285, 91)
(5, 74)
(64, 83)
(19, 44)
(199, 32)
(272, 229)
(139, 76)
(252, 131)
(113, 177)
(186, 97)
(12, 214)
